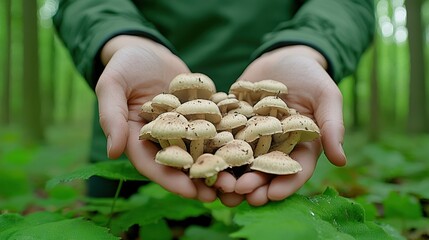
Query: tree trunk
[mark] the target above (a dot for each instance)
(355, 101)
(417, 118)
(374, 123)
(5, 113)
(31, 109)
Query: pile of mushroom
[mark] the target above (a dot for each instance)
(203, 132)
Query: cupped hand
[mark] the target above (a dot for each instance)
(312, 93)
(137, 69)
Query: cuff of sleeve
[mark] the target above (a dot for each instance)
(295, 37)
(90, 65)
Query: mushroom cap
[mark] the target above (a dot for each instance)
(231, 121)
(170, 125)
(200, 107)
(200, 129)
(202, 83)
(147, 112)
(219, 96)
(243, 108)
(207, 165)
(276, 162)
(258, 126)
(242, 86)
(270, 87)
(236, 153)
(146, 132)
(165, 102)
(305, 125)
(263, 106)
(174, 156)
(228, 104)
(220, 139)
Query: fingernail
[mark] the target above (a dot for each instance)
(109, 145)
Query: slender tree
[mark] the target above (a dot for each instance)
(374, 123)
(417, 117)
(5, 100)
(31, 108)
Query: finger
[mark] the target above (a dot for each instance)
(329, 116)
(204, 193)
(225, 182)
(231, 199)
(142, 155)
(113, 113)
(258, 197)
(283, 186)
(251, 181)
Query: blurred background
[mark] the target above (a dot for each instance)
(46, 114)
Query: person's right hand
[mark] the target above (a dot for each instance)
(137, 69)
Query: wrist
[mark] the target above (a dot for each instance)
(126, 41)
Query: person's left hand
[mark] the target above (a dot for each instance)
(313, 93)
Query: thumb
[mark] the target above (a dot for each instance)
(113, 113)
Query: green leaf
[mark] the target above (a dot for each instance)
(325, 216)
(120, 169)
(156, 230)
(401, 206)
(49, 226)
(202, 233)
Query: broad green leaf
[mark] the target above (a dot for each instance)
(108, 169)
(401, 206)
(325, 216)
(201, 233)
(156, 230)
(49, 226)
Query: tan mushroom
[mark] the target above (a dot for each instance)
(271, 106)
(236, 153)
(146, 132)
(270, 87)
(190, 86)
(243, 108)
(232, 122)
(243, 90)
(165, 102)
(299, 129)
(174, 156)
(217, 97)
(147, 112)
(276, 162)
(262, 128)
(207, 166)
(227, 105)
(200, 109)
(198, 131)
(170, 128)
(217, 141)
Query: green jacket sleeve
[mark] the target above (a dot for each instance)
(86, 25)
(341, 30)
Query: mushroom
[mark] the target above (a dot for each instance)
(243, 108)
(198, 131)
(236, 153)
(217, 97)
(200, 109)
(276, 162)
(299, 129)
(146, 132)
(190, 86)
(220, 139)
(207, 166)
(262, 128)
(170, 128)
(270, 87)
(232, 122)
(147, 112)
(243, 90)
(227, 105)
(271, 106)
(174, 156)
(165, 102)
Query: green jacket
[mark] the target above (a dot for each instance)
(219, 38)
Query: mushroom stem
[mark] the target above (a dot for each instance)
(196, 148)
(192, 94)
(263, 145)
(273, 112)
(178, 142)
(163, 143)
(210, 181)
(288, 145)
